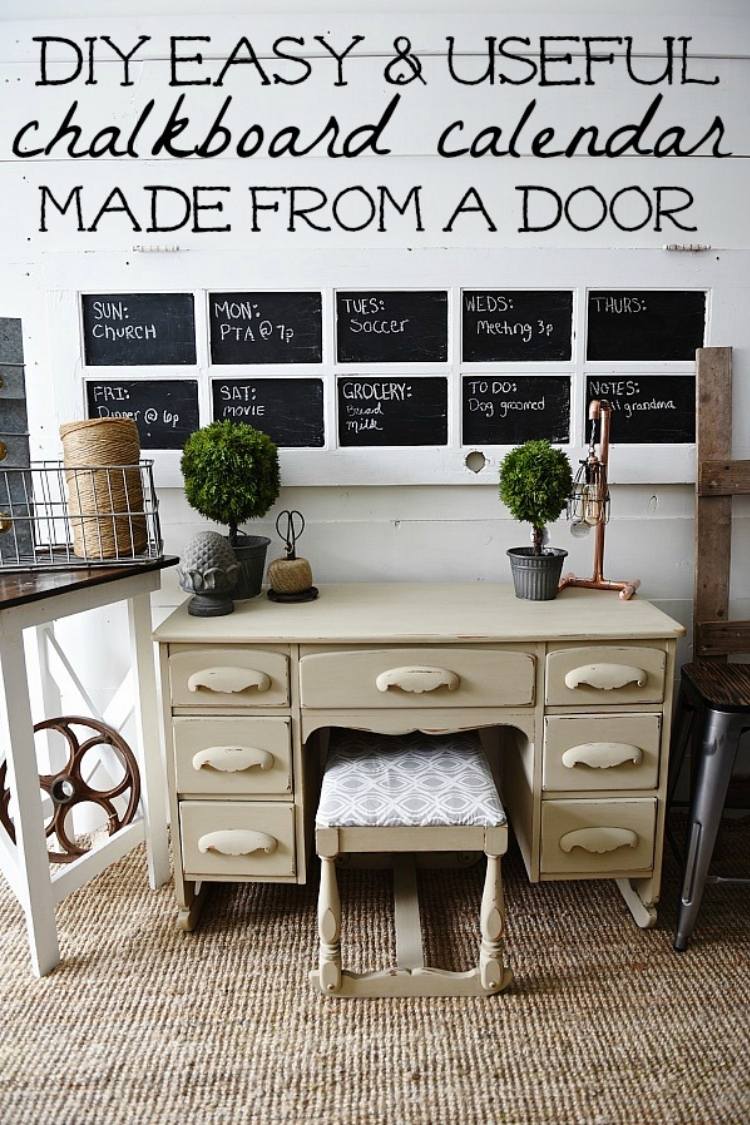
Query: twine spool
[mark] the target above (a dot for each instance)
(100, 492)
(290, 576)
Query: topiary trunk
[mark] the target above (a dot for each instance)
(537, 540)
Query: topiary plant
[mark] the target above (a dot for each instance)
(535, 483)
(231, 473)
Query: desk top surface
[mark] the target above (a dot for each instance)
(356, 612)
(24, 586)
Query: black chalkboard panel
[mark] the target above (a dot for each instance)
(406, 326)
(265, 327)
(516, 325)
(393, 411)
(290, 411)
(650, 408)
(138, 329)
(508, 410)
(645, 324)
(165, 410)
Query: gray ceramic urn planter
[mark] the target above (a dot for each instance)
(209, 571)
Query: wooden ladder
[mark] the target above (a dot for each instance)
(719, 479)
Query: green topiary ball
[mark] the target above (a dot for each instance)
(535, 483)
(231, 473)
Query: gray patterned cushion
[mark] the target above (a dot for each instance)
(377, 780)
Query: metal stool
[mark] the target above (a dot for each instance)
(714, 701)
(713, 712)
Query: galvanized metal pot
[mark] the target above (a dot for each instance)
(536, 577)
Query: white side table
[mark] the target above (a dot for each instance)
(32, 599)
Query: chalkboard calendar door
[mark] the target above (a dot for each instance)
(553, 391)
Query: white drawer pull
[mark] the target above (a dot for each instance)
(602, 755)
(599, 840)
(229, 680)
(606, 676)
(417, 678)
(237, 841)
(232, 759)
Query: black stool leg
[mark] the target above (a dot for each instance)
(721, 735)
(681, 736)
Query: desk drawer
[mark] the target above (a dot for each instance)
(603, 751)
(232, 757)
(228, 677)
(604, 674)
(591, 837)
(234, 838)
(417, 677)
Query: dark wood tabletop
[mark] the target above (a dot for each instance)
(24, 586)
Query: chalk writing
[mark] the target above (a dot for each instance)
(393, 411)
(265, 327)
(516, 325)
(655, 324)
(649, 409)
(506, 411)
(289, 410)
(138, 329)
(398, 326)
(165, 410)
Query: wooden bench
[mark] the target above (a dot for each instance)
(406, 794)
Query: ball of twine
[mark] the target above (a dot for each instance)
(290, 576)
(102, 490)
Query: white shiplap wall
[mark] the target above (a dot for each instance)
(447, 532)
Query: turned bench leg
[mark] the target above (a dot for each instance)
(411, 977)
(492, 924)
(329, 927)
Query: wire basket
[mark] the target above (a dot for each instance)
(53, 517)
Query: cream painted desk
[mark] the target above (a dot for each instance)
(573, 698)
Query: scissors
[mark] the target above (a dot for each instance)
(295, 525)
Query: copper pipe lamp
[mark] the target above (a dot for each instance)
(589, 504)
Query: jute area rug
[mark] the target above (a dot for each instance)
(604, 1024)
